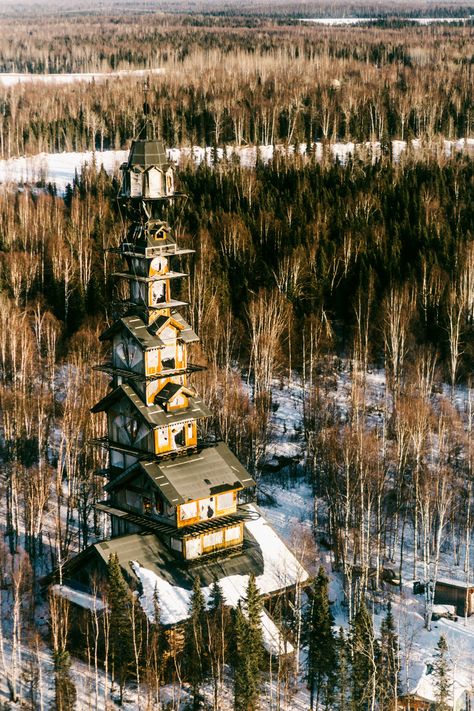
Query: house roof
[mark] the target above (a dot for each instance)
(146, 334)
(170, 391)
(422, 683)
(147, 153)
(452, 583)
(146, 558)
(154, 415)
(210, 471)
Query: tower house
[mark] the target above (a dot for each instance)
(162, 478)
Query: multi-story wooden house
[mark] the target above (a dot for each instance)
(175, 501)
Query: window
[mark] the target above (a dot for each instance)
(133, 500)
(158, 293)
(176, 545)
(207, 508)
(225, 501)
(154, 182)
(163, 438)
(190, 433)
(193, 548)
(168, 357)
(153, 359)
(177, 434)
(213, 539)
(158, 265)
(178, 401)
(129, 353)
(188, 511)
(232, 534)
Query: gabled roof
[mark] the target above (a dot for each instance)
(210, 471)
(147, 335)
(136, 327)
(146, 558)
(170, 391)
(154, 415)
(187, 335)
(160, 323)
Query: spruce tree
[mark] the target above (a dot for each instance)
(364, 652)
(388, 665)
(65, 691)
(248, 649)
(343, 673)
(218, 621)
(121, 636)
(195, 652)
(321, 669)
(442, 677)
(156, 649)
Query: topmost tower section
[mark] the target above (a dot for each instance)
(147, 175)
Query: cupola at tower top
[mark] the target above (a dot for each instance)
(147, 174)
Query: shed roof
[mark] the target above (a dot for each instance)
(210, 471)
(154, 415)
(452, 583)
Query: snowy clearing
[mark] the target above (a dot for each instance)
(346, 21)
(61, 168)
(12, 78)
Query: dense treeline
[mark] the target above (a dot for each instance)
(299, 263)
(256, 82)
(320, 234)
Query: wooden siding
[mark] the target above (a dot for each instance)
(196, 519)
(190, 438)
(212, 541)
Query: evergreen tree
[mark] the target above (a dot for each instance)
(248, 649)
(155, 664)
(388, 665)
(65, 691)
(121, 636)
(343, 672)
(195, 651)
(218, 620)
(441, 675)
(364, 652)
(321, 671)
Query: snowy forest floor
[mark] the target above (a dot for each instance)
(286, 499)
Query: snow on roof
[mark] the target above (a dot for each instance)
(422, 683)
(280, 570)
(454, 583)
(78, 597)
(273, 640)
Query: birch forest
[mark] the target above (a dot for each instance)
(308, 273)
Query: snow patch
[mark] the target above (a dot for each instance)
(13, 78)
(280, 569)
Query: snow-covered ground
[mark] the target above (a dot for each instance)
(289, 508)
(346, 21)
(60, 168)
(13, 78)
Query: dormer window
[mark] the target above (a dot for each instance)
(158, 293)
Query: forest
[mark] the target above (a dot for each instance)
(306, 271)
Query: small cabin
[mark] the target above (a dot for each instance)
(455, 592)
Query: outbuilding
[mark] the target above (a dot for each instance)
(455, 592)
